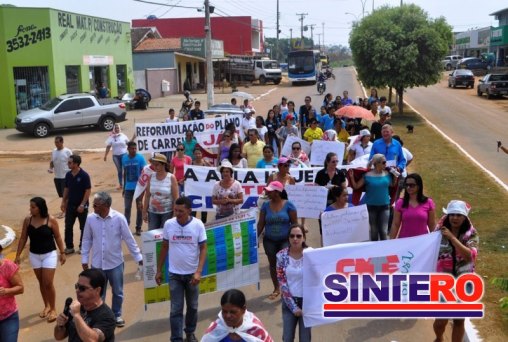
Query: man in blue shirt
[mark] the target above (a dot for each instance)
(133, 164)
(346, 101)
(389, 147)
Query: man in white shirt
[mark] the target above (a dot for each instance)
(248, 121)
(58, 164)
(185, 237)
(103, 234)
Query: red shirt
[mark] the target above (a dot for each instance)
(7, 303)
(179, 166)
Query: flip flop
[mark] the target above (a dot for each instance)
(44, 313)
(274, 295)
(52, 316)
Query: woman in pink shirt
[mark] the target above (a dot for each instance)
(177, 165)
(10, 285)
(415, 214)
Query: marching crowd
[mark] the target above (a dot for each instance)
(374, 163)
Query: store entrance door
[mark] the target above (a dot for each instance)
(98, 74)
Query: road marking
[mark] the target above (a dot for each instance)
(265, 94)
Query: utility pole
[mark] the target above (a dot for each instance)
(208, 54)
(278, 30)
(323, 32)
(302, 15)
(312, 34)
(319, 41)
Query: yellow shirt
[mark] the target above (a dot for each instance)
(343, 136)
(253, 152)
(313, 134)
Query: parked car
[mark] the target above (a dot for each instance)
(450, 62)
(71, 110)
(472, 63)
(461, 77)
(493, 85)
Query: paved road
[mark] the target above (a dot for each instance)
(474, 123)
(152, 323)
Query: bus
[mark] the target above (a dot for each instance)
(303, 66)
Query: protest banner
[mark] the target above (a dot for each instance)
(286, 149)
(164, 137)
(320, 148)
(310, 201)
(199, 182)
(231, 261)
(143, 180)
(345, 225)
(401, 256)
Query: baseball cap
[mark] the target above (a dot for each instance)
(275, 186)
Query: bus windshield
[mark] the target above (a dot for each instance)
(301, 64)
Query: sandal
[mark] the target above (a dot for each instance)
(274, 295)
(44, 313)
(52, 316)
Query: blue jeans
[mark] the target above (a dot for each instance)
(378, 221)
(9, 328)
(118, 163)
(114, 276)
(289, 322)
(180, 288)
(128, 197)
(156, 221)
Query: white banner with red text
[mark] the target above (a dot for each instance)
(165, 137)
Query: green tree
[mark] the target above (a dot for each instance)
(399, 47)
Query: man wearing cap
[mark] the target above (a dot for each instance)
(253, 149)
(248, 121)
(390, 148)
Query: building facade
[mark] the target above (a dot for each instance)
(241, 35)
(47, 52)
(499, 37)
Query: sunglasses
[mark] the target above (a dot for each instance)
(179, 149)
(334, 161)
(410, 185)
(383, 162)
(296, 148)
(298, 236)
(284, 165)
(81, 288)
(227, 136)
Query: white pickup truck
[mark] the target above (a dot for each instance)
(71, 110)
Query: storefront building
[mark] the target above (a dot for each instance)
(472, 43)
(499, 38)
(46, 52)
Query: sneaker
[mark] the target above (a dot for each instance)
(69, 251)
(120, 322)
(191, 338)
(138, 231)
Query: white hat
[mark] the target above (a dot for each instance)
(364, 132)
(457, 207)
(225, 164)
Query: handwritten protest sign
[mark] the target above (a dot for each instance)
(286, 149)
(164, 137)
(320, 149)
(310, 201)
(345, 225)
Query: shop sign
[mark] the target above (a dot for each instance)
(97, 60)
(196, 47)
(499, 35)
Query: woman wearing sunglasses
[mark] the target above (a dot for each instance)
(298, 156)
(177, 165)
(290, 277)
(415, 214)
(225, 145)
(457, 255)
(275, 218)
(331, 176)
(377, 182)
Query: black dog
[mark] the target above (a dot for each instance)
(410, 128)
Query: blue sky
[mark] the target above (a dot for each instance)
(461, 14)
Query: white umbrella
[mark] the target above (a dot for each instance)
(242, 94)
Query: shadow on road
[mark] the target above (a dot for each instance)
(374, 330)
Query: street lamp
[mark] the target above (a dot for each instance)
(354, 15)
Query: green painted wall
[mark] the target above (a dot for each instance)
(53, 38)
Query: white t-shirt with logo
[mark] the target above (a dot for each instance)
(184, 244)
(118, 143)
(59, 159)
